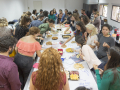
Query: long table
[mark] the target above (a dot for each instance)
(86, 77)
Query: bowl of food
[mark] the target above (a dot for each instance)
(74, 75)
(54, 38)
(48, 43)
(70, 50)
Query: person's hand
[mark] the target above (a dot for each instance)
(95, 42)
(72, 23)
(101, 71)
(85, 34)
(81, 56)
(95, 67)
(41, 38)
(105, 44)
(63, 45)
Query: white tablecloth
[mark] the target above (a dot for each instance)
(86, 77)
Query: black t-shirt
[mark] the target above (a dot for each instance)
(20, 31)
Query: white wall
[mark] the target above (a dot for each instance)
(58, 4)
(110, 3)
(91, 1)
(11, 9)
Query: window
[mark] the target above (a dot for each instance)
(103, 10)
(115, 13)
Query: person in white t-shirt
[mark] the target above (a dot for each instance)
(93, 31)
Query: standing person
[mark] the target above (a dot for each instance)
(97, 21)
(60, 16)
(34, 17)
(22, 28)
(104, 43)
(38, 22)
(83, 12)
(84, 19)
(56, 15)
(50, 74)
(45, 13)
(110, 76)
(81, 30)
(26, 48)
(9, 78)
(65, 16)
(87, 54)
(92, 15)
(92, 30)
(51, 15)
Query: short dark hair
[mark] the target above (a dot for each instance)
(82, 88)
(51, 21)
(34, 30)
(45, 13)
(34, 11)
(41, 10)
(40, 16)
(60, 9)
(6, 42)
(95, 10)
(108, 26)
(80, 40)
(69, 13)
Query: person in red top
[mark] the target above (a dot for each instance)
(26, 48)
(9, 78)
(50, 74)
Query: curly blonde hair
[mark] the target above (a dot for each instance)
(50, 72)
(93, 28)
(3, 22)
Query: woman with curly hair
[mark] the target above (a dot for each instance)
(50, 74)
(84, 19)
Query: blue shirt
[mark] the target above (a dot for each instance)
(63, 17)
(36, 23)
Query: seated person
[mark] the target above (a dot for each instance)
(68, 20)
(64, 17)
(9, 76)
(81, 30)
(46, 27)
(93, 31)
(60, 16)
(87, 54)
(84, 19)
(104, 43)
(74, 20)
(111, 75)
(51, 15)
(45, 13)
(34, 17)
(36, 23)
(50, 74)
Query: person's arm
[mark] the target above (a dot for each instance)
(14, 31)
(66, 86)
(38, 53)
(33, 17)
(13, 79)
(92, 45)
(68, 40)
(105, 82)
(97, 43)
(66, 30)
(86, 55)
(31, 84)
(62, 19)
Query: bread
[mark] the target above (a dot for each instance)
(54, 38)
(48, 43)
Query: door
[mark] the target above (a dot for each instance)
(37, 5)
